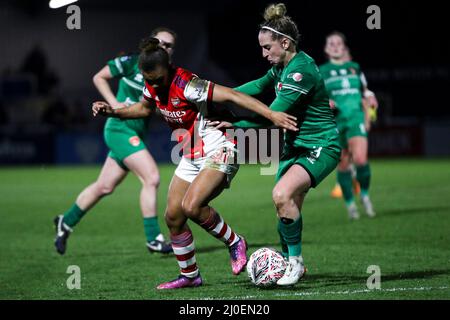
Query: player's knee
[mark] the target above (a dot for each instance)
(152, 180)
(172, 218)
(360, 159)
(191, 208)
(105, 189)
(169, 218)
(280, 197)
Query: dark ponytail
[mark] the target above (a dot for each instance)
(152, 55)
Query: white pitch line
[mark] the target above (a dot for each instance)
(345, 292)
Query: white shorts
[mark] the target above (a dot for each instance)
(223, 159)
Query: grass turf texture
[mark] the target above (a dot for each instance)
(409, 239)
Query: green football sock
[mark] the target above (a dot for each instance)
(363, 176)
(345, 181)
(284, 246)
(73, 215)
(151, 228)
(291, 232)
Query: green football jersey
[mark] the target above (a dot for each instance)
(300, 91)
(344, 83)
(131, 83)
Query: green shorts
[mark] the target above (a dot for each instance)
(123, 144)
(350, 128)
(319, 162)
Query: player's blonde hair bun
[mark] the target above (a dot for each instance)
(281, 25)
(275, 11)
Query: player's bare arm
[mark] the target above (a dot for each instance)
(223, 94)
(140, 109)
(101, 82)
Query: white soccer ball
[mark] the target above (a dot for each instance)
(265, 267)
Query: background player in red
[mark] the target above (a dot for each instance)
(208, 164)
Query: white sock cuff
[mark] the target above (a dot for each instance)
(192, 274)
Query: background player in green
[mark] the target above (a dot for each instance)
(346, 86)
(310, 154)
(125, 139)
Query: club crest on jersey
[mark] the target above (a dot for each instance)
(134, 141)
(353, 71)
(175, 101)
(296, 76)
(139, 77)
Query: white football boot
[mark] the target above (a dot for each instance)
(353, 213)
(294, 271)
(368, 206)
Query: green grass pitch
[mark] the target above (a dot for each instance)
(409, 239)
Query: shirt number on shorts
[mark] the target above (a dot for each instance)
(314, 155)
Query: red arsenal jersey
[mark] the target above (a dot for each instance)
(184, 109)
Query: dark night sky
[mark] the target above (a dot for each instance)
(411, 32)
(407, 59)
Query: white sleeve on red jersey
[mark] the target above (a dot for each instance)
(199, 92)
(146, 94)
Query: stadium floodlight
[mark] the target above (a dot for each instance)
(55, 4)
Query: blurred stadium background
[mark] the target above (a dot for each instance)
(46, 70)
(46, 91)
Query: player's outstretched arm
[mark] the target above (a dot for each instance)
(223, 94)
(140, 109)
(257, 86)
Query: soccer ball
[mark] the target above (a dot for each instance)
(265, 267)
